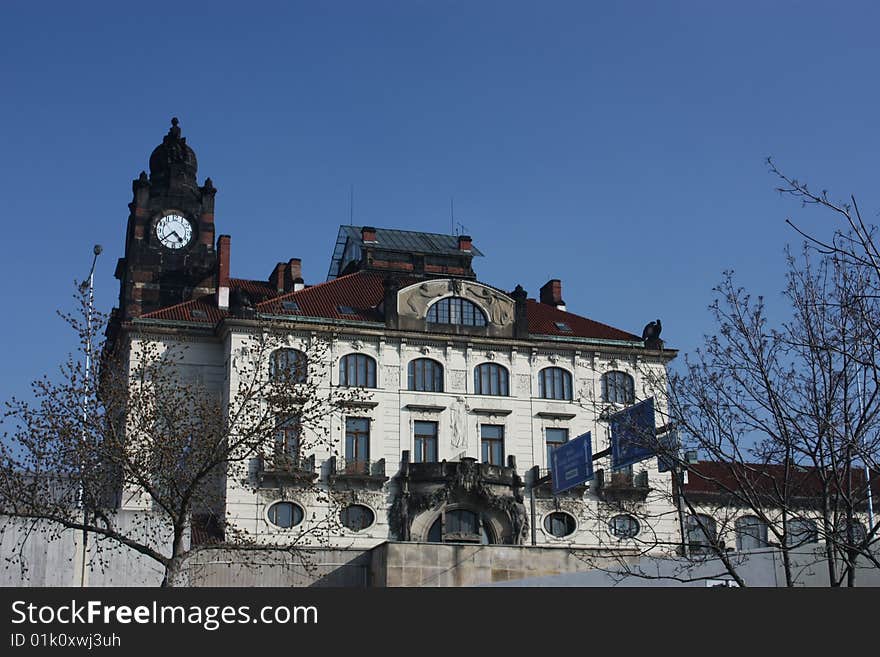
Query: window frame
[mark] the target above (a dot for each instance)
(812, 532)
(633, 523)
(289, 430)
(485, 534)
(343, 515)
(742, 527)
(707, 542)
(456, 310)
(358, 438)
(623, 387)
(496, 375)
(424, 366)
(490, 442)
(300, 366)
(550, 518)
(427, 440)
(295, 508)
(560, 381)
(351, 363)
(557, 443)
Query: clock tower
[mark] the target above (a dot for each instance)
(169, 242)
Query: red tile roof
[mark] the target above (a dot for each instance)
(363, 292)
(712, 478)
(206, 311)
(543, 319)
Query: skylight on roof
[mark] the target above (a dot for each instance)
(198, 313)
(562, 326)
(346, 310)
(292, 306)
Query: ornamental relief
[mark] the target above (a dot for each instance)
(457, 380)
(414, 301)
(392, 376)
(524, 385)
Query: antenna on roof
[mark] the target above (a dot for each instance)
(351, 205)
(452, 213)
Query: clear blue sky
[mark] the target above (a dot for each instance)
(618, 146)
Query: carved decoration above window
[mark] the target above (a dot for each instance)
(414, 301)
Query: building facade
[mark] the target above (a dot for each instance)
(462, 386)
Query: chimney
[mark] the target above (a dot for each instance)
(277, 277)
(464, 243)
(368, 234)
(294, 267)
(551, 294)
(223, 247)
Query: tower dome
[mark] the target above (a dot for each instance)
(173, 164)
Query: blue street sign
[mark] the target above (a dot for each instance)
(633, 434)
(572, 463)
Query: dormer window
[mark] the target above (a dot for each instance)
(456, 310)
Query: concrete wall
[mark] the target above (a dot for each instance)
(443, 564)
(319, 567)
(762, 568)
(52, 558)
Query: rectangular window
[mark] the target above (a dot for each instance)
(357, 444)
(287, 432)
(555, 438)
(425, 442)
(492, 442)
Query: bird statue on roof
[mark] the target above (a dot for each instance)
(651, 335)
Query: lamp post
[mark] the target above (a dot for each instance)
(96, 251)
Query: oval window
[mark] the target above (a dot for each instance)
(285, 514)
(559, 524)
(357, 517)
(624, 526)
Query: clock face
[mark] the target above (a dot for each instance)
(173, 231)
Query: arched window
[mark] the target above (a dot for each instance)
(701, 533)
(624, 526)
(461, 526)
(618, 388)
(425, 375)
(849, 534)
(289, 365)
(491, 379)
(357, 370)
(456, 310)
(751, 533)
(554, 383)
(285, 514)
(559, 524)
(801, 531)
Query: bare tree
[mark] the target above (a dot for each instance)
(785, 420)
(138, 428)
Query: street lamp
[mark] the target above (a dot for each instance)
(96, 251)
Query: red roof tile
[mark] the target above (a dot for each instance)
(202, 310)
(361, 291)
(543, 320)
(258, 290)
(713, 478)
